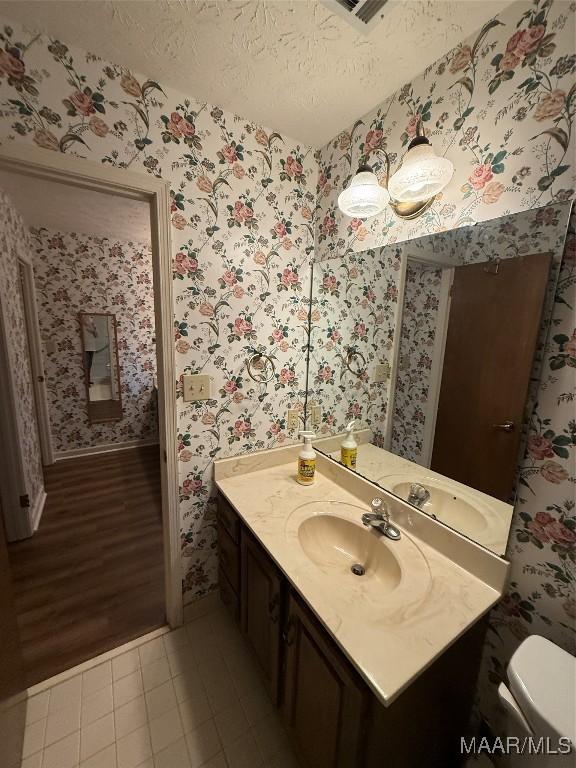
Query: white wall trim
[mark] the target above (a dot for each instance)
(59, 167)
(13, 486)
(94, 450)
(37, 509)
(398, 318)
(36, 359)
(437, 366)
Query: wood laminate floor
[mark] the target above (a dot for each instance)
(92, 576)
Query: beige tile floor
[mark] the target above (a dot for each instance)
(190, 698)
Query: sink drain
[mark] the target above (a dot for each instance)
(358, 570)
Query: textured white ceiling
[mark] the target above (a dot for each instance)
(290, 65)
(69, 209)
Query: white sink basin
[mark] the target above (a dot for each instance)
(336, 545)
(444, 505)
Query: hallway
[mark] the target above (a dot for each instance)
(91, 578)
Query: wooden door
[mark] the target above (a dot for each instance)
(324, 701)
(492, 334)
(12, 710)
(261, 586)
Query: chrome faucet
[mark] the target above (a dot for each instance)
(379, 518)
(418, 495)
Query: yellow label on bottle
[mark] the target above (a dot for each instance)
(306, 470)
(348, 457)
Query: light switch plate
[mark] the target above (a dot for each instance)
(196, 386)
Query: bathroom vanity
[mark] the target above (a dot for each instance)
(370, 647)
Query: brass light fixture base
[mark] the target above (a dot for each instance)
(411, 210)
(414, 209)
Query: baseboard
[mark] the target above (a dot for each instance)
(105, 448)
(37, 509)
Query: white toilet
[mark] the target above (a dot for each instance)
(541, 703)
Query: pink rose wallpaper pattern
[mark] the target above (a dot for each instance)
(500, 106)
(418, 336)
(354, 313)
(15, 244)
(82, 273)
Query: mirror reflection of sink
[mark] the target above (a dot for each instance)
(445, 506)
(337, 546)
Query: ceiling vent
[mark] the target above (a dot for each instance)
(363, 15)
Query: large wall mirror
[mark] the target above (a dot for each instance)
(432, 347)
(101, 366)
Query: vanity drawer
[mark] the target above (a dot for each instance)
(228, 595)
(228, 517)
(228, 553)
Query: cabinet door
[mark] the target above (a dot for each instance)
(261, 585)
(324, 701)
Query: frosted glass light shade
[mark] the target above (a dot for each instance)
(363, 197)
(422, 175)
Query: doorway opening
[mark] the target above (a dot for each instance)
(91, 514)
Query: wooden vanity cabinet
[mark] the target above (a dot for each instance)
(324, 701)
(228, 529)
(261, 606)
(333, 718)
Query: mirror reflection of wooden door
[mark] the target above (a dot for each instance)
(492, 334)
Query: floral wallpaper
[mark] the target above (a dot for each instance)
(14, 244)
(353, 315)
(418, 336)
(243, 200)
(82, 273)
(541, 597)
(500, 106)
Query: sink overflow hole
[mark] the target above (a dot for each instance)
(358, 570)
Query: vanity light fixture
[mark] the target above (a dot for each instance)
(409, 192)
(363, 197)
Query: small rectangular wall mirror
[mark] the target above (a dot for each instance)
(432, 347)
(101, 366)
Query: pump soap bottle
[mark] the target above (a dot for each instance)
(349, 448)
(307, 460)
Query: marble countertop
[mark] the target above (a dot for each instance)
(390, 636)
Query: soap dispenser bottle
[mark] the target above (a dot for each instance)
(349, 448)
(307, 460)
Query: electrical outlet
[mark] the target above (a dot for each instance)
(292, 419)
(381, 372)
(196, 386)
(315, 414)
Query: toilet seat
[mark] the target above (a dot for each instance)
(542, 679)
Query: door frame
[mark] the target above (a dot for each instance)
(437, 364)
(86, 174)
(36, 360)
(18, 525)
